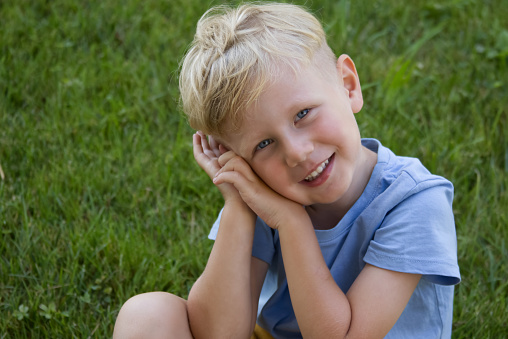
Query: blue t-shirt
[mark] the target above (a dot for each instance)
(403, 221)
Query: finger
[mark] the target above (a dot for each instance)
(198, 151)
(223, 149)
(196, 145)
(214, 146)
(206, 146)
(207, 163)
(204, 141)
(249, 190)
(226, 157)
(200, 146)
(230, 177)
(235, 163)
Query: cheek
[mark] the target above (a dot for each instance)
(328, 133)
(263, 171)
(270, 173)
(337, 129)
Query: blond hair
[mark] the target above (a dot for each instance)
(234, 55)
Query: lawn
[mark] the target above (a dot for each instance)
(100, 197)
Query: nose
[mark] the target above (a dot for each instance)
(296, 150)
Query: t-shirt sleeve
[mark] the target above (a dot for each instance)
(418, 235)
(263, 246)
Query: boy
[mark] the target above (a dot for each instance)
(323, 234)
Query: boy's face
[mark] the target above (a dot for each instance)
(301, 137)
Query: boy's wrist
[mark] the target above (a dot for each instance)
(239, 206)
(298, 217)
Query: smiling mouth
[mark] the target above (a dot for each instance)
(317, 171)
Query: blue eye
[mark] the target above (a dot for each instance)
(301, 114)
(263, 144)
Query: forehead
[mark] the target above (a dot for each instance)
(288, 89)
(267, 74)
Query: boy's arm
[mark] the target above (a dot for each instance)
(379, 296)
(369, 310)
(223, 301)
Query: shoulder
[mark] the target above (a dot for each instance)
(415, 227)
(401, 187)
(403, 175)
(412, 194)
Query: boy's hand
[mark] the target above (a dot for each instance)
(270, 206)
(207, 152)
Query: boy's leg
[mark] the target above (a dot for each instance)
(153, 315)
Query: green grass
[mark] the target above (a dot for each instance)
(100, 198)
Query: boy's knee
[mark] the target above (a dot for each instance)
(151, 315)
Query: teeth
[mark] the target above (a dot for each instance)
(317, 172)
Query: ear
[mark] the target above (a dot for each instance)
(347, 71)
